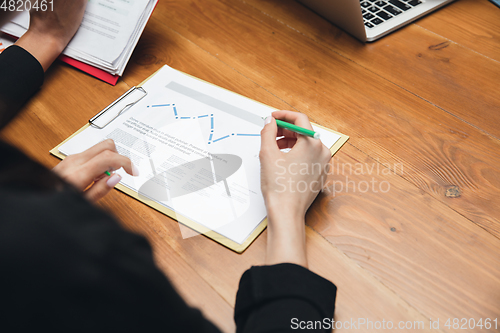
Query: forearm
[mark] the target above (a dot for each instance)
(50, 31)
(21, 77)
(286, 204)
(44, 48)
(286, 240)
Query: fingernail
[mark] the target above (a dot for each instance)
(135, 171)
(113, 180)
(268, 120)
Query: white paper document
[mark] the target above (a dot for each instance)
(109, 31)
(196, 146)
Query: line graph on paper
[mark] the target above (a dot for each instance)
(209, 118)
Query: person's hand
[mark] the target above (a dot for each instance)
(290, 182)
(86, 171)
(60, 24)
(51, 30)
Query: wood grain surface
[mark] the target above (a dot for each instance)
(408, 224)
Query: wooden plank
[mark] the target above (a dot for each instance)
(448, 75)
(439, 152)
(474, 24)
(434, 258)
(434, 261)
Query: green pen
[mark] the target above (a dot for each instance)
(107, 173)
(296, 129)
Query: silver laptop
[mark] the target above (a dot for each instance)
(369, 20)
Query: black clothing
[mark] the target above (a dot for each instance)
(67, 266)
(20, 77)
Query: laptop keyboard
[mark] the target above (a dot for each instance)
(376, 12)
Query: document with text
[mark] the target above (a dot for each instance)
(107, 36)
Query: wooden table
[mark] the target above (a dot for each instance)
(408, 227)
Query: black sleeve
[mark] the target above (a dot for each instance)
(68, 267)
(21, 75)
(284, 298)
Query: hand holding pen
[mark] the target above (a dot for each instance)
(290, 182)
(89, 171)
(297, 129)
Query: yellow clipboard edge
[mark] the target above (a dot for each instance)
(340, 142)
(232, 245)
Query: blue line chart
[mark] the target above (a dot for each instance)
(212, 122)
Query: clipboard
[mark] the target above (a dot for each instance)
(127, 100)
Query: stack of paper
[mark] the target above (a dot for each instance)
(107, 36)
